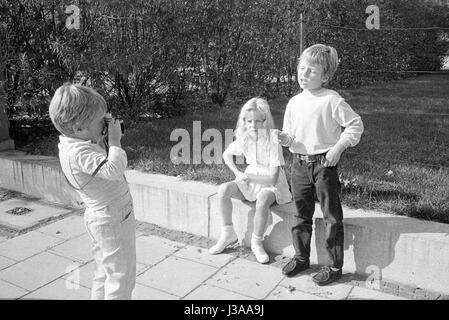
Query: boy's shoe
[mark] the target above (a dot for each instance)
(228, 237)
(326, 275)
(295, 266)
(259, 251)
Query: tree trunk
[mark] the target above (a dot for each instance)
(6, 143)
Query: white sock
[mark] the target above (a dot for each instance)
(258, 238)
(227, 237)
(258, 250)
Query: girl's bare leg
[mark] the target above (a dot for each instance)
(225, 192)
(228, 235)
(263, 203)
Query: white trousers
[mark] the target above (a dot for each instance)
(113, 234)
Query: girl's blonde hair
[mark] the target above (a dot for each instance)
(323, 55)
(254, 104)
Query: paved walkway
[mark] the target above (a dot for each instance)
(53, 261)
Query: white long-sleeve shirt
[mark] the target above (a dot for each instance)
(80, 158)
(315, 121)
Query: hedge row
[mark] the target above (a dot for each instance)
(162, 57)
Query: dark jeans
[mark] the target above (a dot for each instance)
(306, 179)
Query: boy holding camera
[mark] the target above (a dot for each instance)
(97, 173)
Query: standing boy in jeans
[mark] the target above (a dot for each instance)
(312, 131)
(97, 173)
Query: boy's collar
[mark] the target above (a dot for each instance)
(315, 92)
(67, 139)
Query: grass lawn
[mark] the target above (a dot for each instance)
(401, 164)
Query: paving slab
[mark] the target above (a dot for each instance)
(142, 292)
(304, 283)
(27, 245)
(10, 291)
(151, 250)
(39, 213)
(141, 268)
(6, 262)
(359, 293)
(177, 276)
(283, 293)
(84, 274)
(201, 255)
(67, 228)
(247, 278)
(208, 292)
(78, 249)
(59, 289)
(37, 271)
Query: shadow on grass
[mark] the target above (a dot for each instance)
(383, 194)
(397, 202)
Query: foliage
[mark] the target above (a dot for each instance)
(153, 58)
(397, 46)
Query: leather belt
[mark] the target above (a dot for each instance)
(310, 158)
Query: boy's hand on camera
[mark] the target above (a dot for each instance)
(114, 133)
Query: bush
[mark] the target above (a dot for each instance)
(362, 51)
(149, 57)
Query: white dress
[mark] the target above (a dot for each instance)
(260, 157)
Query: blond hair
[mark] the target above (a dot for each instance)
(259, 105)
(74, 104)
(323, 55)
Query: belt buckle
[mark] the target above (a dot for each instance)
(306, 158)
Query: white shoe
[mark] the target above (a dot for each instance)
(259, 251)
(227, 238)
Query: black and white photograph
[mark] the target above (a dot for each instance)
(224, 155)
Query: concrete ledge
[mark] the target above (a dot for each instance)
(171, 202)
(37, 176)
(401, 249)
(383, 246)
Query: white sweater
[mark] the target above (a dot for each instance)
(80, 158)
(314, 121)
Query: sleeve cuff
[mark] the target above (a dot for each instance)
(343, 143)
(116, 150)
